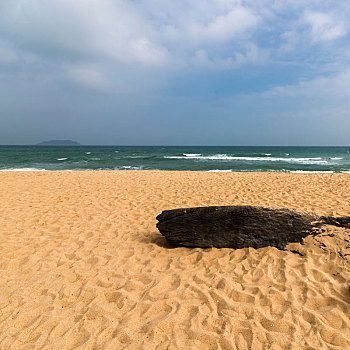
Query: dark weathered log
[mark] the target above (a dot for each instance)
(241, 226)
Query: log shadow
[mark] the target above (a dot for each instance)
(157, 239)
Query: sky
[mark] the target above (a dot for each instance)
(185, 72)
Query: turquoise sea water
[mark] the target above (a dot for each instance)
(284, 159)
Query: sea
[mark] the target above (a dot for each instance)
(188, 158)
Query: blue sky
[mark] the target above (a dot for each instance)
(211, 72)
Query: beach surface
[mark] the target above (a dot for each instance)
(82, 265)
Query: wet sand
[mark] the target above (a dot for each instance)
(82, 265)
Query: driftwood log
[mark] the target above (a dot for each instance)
(241, 226)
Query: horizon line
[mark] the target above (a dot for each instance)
(159, 145)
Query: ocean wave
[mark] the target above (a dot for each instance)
(310, 171)
(218, 171)
(336, 158)
(23, 169)
(199, 156)
(129, 167)
(278, 171)
(62, 158)
(316, 160)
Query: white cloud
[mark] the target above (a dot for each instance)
(324, 88)
(80, 29)
(224, 27)
(324, 27)
(144, 51)
(123, 31)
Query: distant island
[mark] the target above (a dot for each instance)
(58, 143)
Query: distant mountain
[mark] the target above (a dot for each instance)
(58, 143)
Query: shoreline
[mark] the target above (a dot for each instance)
(190, 171)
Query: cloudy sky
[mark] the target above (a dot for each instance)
(164, 72)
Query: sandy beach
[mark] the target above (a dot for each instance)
(82, 265)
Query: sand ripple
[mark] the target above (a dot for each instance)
(83, 266)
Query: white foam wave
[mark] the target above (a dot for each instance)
(23, 169)
(219, 171)
(316, 160)
(128, 167)
(199, 156)
(62, 158)
(191, 154)
(278, 171)
(337, 158)
(87, 152)
(267, 154)
(310, 171)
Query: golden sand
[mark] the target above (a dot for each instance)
(82, 265)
